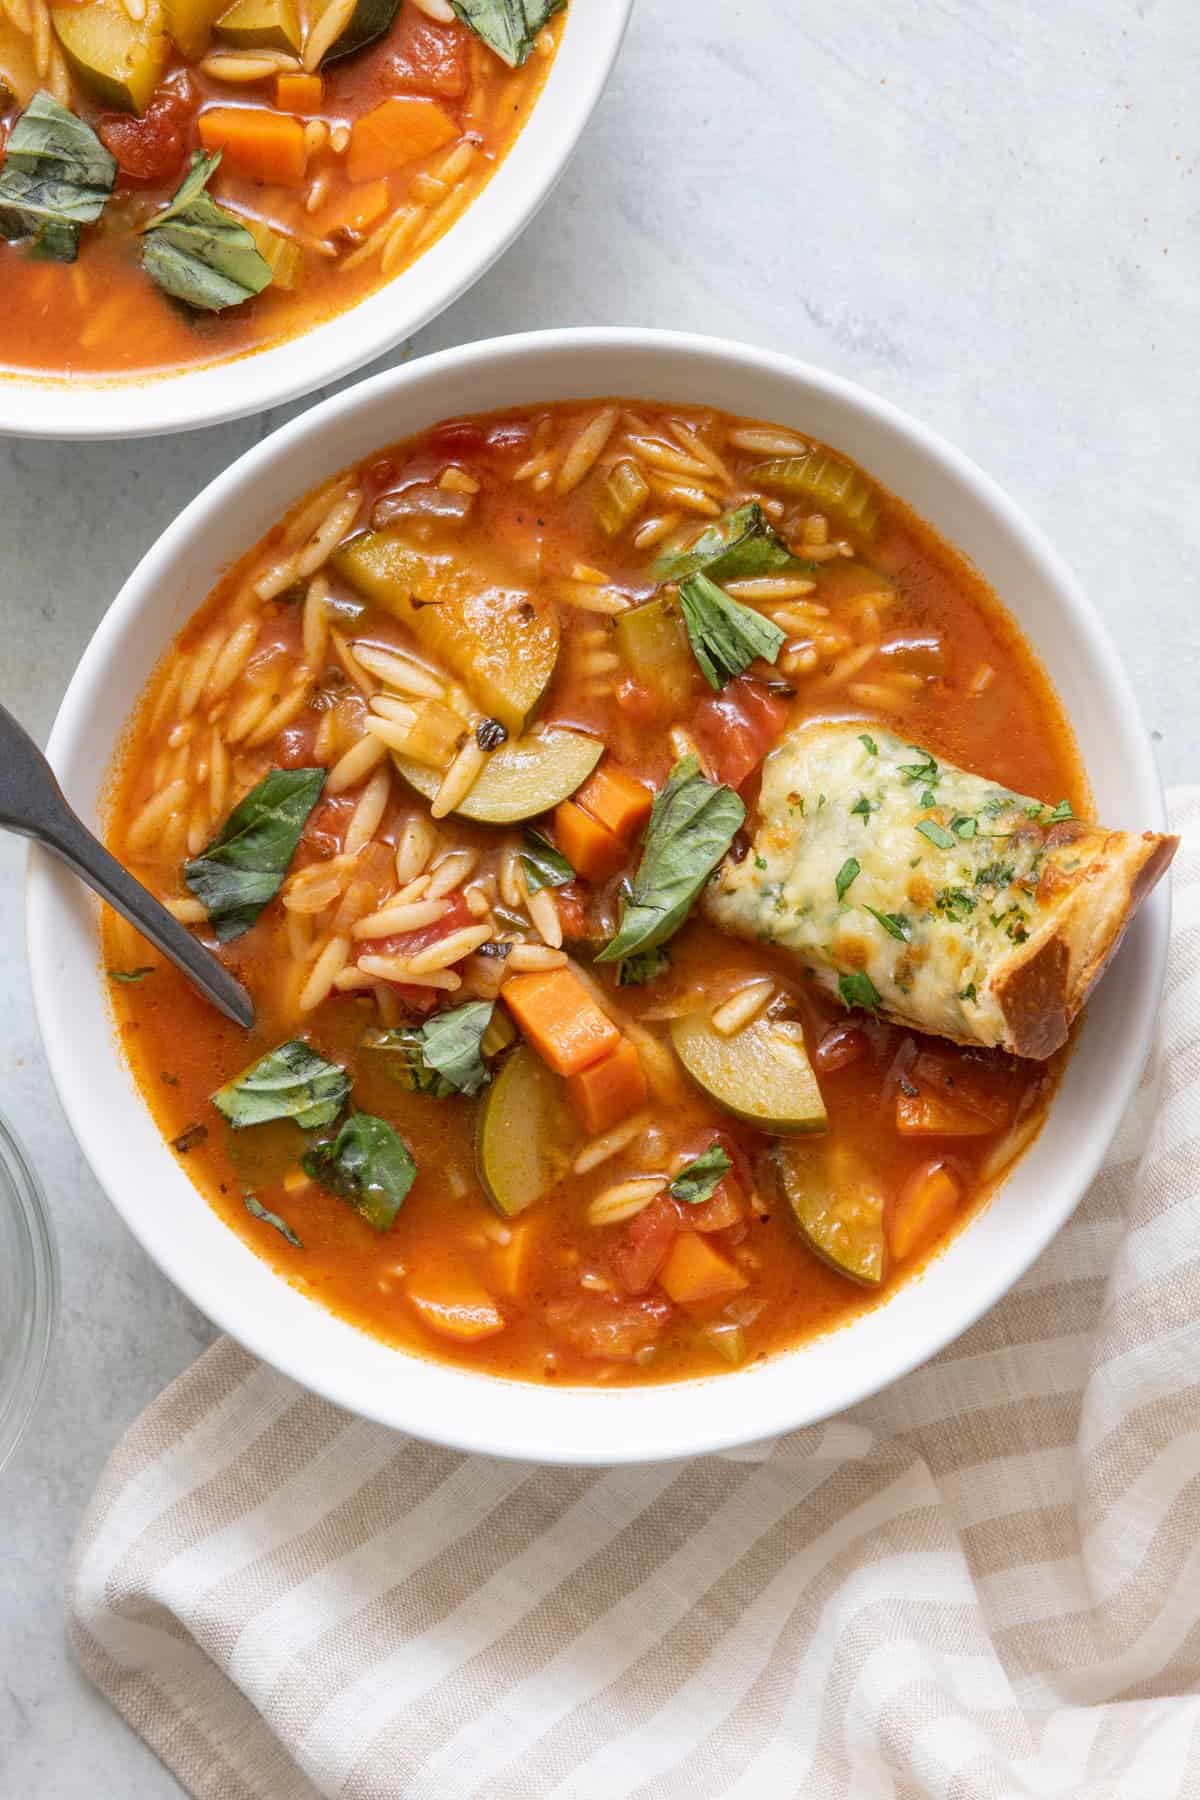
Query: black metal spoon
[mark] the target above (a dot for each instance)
(32, 804)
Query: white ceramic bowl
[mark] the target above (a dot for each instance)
(477, 1412)
(140, 406)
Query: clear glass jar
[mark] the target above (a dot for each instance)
(28, 1291)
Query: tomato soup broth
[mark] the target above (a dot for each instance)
(340, 172)
(590, 1202)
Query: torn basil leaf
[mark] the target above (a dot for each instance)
(859, 990)
(244, 866)
(644, 966)
(55, 179)
(742, 544)
(691, 827)
(509, 27)
(368, 1165)
(257, 1210)
(699, 1180)
(542, 865)
(199, 253)
(725, 635)
(442, 1057)
(292, 1082)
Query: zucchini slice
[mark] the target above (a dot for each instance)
(837, 1207)
(524, 777)
(761, 1074)
(522, 1132)
(118, 60)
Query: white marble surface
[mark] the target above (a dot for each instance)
(987, 212)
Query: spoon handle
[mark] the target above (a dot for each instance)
(33, 805)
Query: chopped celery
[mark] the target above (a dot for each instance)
(728, 1340)
(653, 640)
(833, 486)
(280, 254)
(435, 734)
(622, 497)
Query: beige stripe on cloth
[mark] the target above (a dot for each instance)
(984, 1582)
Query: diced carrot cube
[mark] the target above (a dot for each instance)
(925, 1207)
(589, 847)
(256, 142)
(608, 1091)
(694, 1271)
(395, 132)
(928, 1115)
(616, 800)
(560, 1019)
(354, 210)
(455, 1305)
(299, 93)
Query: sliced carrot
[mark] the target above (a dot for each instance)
(455, 1305)
(929, 1115)
(354, 210)
(396, 132)
(299, 93)
(560, 1019)
(589, 847)
(608, 1091)
(256, 142)
(510, 1262)
(925, 1207)
(695, 1271)
(616, 800)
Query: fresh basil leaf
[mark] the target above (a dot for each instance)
(692, 825)
(442, 1057)
(509, 27)
(199, 253)
(895, 924)
(1064, 810)
(725, 635)
(847, 875)
(859, 990)
(643, 967)
(368, 1165)
(937, 834)
(699, 1180)
(126, 977)
(257, 1210)
(56, 178)
(741, 544)
(543, 866)
(244, 866)
(292, 1082)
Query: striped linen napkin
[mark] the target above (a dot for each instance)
(982, 1583)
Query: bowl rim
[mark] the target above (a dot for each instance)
(40, 1278)
(470, 1412)
(71, 407)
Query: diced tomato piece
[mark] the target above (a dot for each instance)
(294, 746)
(431, 58)
(840, 1046)
(604, 1327)
(638, 703)
(154, 147)
(735, 728)
(643, 1249)
(407, 943)
(456, 437)
(721, 1212)
(572, 902)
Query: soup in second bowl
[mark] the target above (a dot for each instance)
(182, 181)
(657, 862)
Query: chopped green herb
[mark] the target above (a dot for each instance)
(490, 734)
(995, 874)
(635, 971)
(55, 179)
(257, 1210)
(189, 1137)
(442, 1057)
(127, 976)
(863, 807)
(937, 834)
(964, 826)
(925, 771)
(368, 1165)
(741, 544)
(846, 875)
(955, 903)
(894, 923)
(968, 993)
(691, 827)
(760, 863)
(859, 990)
(1034, 810)
(543, 866)
(725, 636)
(199, 253)
(699, 1180)
(292, 1082)
(872, 747)
(1063, 810)
(509, 27)
(245, 865)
